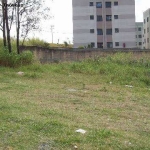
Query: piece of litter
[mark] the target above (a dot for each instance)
(110, 82)
(81, 131)
(72, 90)
(130, 86)
(75, 147)
(20, 73)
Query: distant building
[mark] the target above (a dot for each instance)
(139, 34)
(146, 33)
(104, 24)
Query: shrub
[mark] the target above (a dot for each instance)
(81, 47)
(13, 59)
(37, 42)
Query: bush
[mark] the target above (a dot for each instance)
(81, 47)
(37, 42)
(14, 60)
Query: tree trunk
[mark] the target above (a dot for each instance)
(4, 24)
(7, 29)
(18, 27)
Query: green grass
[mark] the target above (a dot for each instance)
(39, 111)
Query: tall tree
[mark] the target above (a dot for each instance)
(25, 15)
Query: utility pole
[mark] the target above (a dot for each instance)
(52, 28)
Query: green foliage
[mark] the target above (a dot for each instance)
(14, 60)
(37, 42)
(81, 47)
(120, 68)
(66, 44)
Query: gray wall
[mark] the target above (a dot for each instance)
(45, 55)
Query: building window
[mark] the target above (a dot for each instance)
(147, 19)
(147, 40)
(147, 29)
(109, 45)
(109, 31)
(91, 30)
(98, 4)
(116, 43)
(99, 45)
(116, 30)
(99, 32)
(115, 16)
(136, 36)
(139, 29)
(91, 17)
(140, 43)
(108, 4)
(144, 40)
(144, 31)
(108, 18)
(140, 36)
(99, 18)
(92, 44)
(115, 3)
(144, 20)
(91, 4)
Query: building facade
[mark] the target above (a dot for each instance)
(104, 23)
(146, 29)
(139, 34)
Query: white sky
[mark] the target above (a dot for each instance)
(62, 21)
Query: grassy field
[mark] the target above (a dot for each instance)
(107, 97)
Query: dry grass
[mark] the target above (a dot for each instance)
(43, 108)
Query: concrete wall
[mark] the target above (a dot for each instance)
(45, 55)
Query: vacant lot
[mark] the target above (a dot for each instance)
(107, 97)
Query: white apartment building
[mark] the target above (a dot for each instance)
(139, 34)
(104, 23)
(146, 29)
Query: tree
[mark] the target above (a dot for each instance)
(25, 15)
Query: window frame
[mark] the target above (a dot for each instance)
(108, 6)
(92, 31)
(99, 6)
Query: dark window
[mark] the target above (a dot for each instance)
(115, 3)
(116, 43)
(99, 18)
(140, 36)
(91, 30)
(108, 4)
(108, 18)
(139, 29)
(116, 30)
(140, 43)
(144, 31)
(91, 17)
(115, 16)
(91, 4)
(144, 20)
(147, 19)
(109, 45)
(147, 29)
(99, 45)
(98, 4)
(92, 44)
(147, 40)
(99, 32)
(136, 36)
(109, 31)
